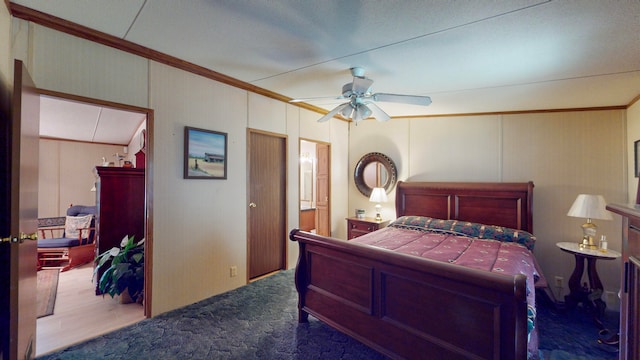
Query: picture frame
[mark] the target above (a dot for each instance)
(205, 154)
(636, 152)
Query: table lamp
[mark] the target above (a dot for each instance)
(589, 207)
(378, 195)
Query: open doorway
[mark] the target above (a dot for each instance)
(314, 189)
(78, 313)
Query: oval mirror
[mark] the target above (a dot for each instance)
(375, 170)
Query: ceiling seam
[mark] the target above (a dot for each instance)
(407, 40)
(95, 129)
(538, 82)
(24, 14)
(135, 18)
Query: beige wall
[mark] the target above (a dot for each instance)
(564, 154)
(71, 65)
(633, 134)
(66, 174)
(6, 60)
(337, 134)
(211, 216)
(199, 225)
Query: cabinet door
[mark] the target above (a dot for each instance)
(633, 324)
(630, 301)
(121, 208)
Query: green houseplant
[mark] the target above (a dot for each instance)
(123, 269)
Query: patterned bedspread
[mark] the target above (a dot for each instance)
(481, 254)
(437, 240)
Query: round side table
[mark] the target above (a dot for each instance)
(591, 295)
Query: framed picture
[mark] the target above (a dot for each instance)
(205, 154)
(636, 152)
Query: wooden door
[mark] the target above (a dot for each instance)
(267, 203)
(19, 213)
(323, 221)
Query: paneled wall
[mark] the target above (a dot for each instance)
(563, 153)
(66, 174)
(71, 65)
(633, 135)
(337, 134)
(199, 226)
(6, 61)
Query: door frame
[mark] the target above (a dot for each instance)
(148, 175)
(300, 140)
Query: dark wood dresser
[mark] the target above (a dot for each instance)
(630, 294)
(360, 226)
(120, 207)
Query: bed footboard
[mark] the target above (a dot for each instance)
(408, 307)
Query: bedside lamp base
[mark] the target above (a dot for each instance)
(588, 235)
(378, 209)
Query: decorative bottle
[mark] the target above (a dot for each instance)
(603, 243)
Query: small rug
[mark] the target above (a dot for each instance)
(47, 288)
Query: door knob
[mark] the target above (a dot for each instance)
(20, 238)
(33, 236)
(252, 205)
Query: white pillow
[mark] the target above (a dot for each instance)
(73, 223)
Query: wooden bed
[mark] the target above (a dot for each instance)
(409, 307)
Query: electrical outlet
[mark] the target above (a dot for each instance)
(233, 271)
(559, 281)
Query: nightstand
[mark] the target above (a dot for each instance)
(360, 226)
(588, 294)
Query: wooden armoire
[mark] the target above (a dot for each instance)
(630, 276)
(120, 207)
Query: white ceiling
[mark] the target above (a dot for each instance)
(468, 56)
(71, 120)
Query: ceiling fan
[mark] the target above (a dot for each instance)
(361, 100)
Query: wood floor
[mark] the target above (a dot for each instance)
(80, 315)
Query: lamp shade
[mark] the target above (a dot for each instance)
(347, 112)
(356, 111)
(589, 207)
(378, 195)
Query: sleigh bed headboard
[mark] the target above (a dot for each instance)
(503, 204)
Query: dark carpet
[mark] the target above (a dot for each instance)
(259, 321)
(573, 334)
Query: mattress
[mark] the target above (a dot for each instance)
(493, 249)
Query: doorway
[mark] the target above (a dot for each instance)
(315, 167)
(78, 280)
(267, 210)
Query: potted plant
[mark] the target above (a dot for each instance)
(124, 270)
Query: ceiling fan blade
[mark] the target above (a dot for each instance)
(378, 113)
(333, 112)
(316, 98)
(361, 85)
(404, 99)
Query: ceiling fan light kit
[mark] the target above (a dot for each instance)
(358, 111)
(359, 90)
